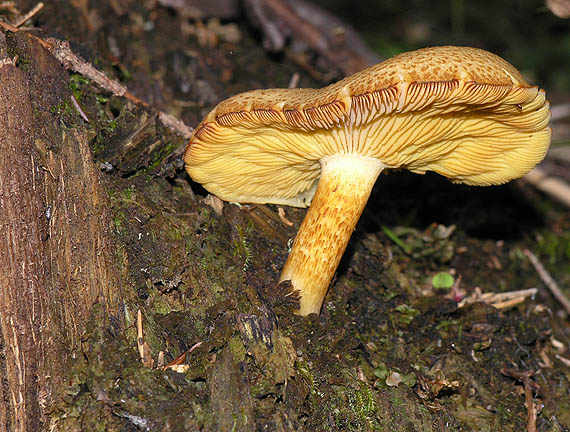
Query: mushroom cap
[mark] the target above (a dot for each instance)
(462, 112)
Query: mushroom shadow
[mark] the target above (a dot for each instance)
(486, 213)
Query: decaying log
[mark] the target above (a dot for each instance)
(55, 239)
(23, 278)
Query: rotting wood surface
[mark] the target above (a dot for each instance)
(54, 236)
(23, 278)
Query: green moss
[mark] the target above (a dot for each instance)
(101, 99)
(119, 219)
(304, 371)
(121, 256)
(354, 409)
(108, 386)
(161, 304)
(173, 233)
(381, 372)
(363, 403)
(157, 156)
(237, 348)
(109, 125)
(556, 248)
(128, 194)
(406, 313)
(242, 247)
(77, 82)
(64, 108)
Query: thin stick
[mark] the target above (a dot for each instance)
(524, 377)
(510, 295)
(294, 81)
(144, 349)
(499, 300)
(554, 187)
(563, 359)
(507, 304)
(392, 236)
(8, 27)
(29, 15)
(182, 357)
(283, 217)
(548, 281)
(78, 108)
(140, 336)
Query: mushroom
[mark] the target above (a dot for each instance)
(462, 112)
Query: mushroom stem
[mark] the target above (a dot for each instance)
(343, 190)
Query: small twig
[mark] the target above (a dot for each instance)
(177, 361)
(140, 336)
(193, 347)
(529, 385)
(283, 217)
(78, 108)
(29, 15)
(510, 295)
(548, 281)
(8, 27)
(294, 81)
(507, 304)
(181, 359)
(175, 124)
(563, 360)
(499, 300)
(143, 348)
(61, 51)
(550, 185)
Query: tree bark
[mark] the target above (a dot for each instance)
(54, 237)
(24, 275)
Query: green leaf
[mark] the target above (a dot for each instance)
(381, 371)
(442, 280)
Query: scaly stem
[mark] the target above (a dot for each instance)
(343, 190)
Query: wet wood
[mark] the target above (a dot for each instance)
(54, 237)
(23, 278)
